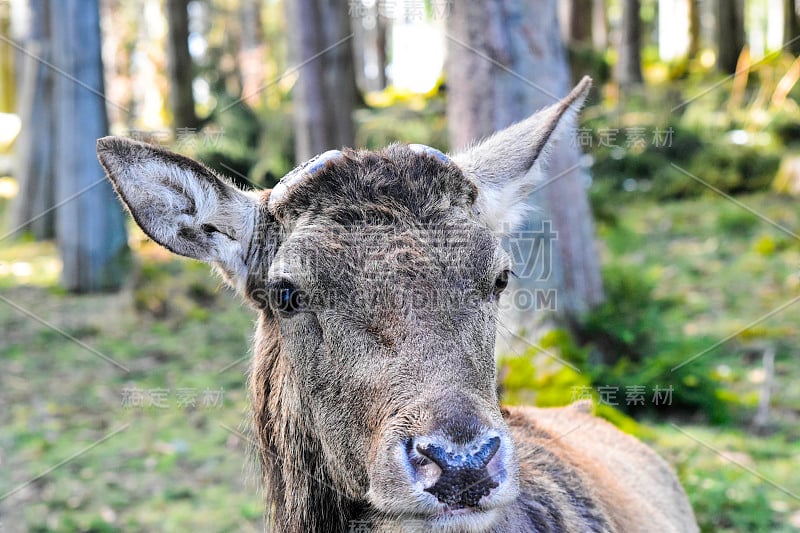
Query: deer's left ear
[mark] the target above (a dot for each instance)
(507, 165)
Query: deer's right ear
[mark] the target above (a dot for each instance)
(183, 205)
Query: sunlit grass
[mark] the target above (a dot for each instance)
(29, 263)
(8, 187)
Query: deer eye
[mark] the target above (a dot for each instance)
(286, 298)
(501, 282)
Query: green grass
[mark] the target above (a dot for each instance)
(169, 465)
(729, 272)
(735, 481)
(727, 269)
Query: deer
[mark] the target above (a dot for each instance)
(370, 413)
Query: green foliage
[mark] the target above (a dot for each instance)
(731, 142)
(252, 147)
(232, 151)
(422, 123)
(561, 340)
(623, 421)
(623, 344)
(729, 503)
(275, 147)
(726, 496)
(649, 171)
(175, 468)
(624, 324)
(589, 62)
(690, 389)
(735, 169)
(735, 221)
(523, 382)
(786, 127)
(635, 348)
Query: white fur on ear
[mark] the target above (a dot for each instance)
(509, 164)
(183, 205)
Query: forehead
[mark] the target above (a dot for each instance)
(367, 237)
(397, 180)
(397, 250)
(395, 210)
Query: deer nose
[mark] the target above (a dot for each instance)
(457, 476)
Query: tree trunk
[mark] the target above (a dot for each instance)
(363, 45)
(369, 44)
(90, 225)
(6, 61)
(483, 97)
(629, 62)
(599, 25)
(179, 66)
(580, 21)
(381, 37)
(253, 52)
(694, 28)
(34, 146)
(791, 27)
(325, 92)
(730, 34)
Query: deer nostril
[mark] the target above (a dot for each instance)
(434, 453)
(425, 471)
(475, 458)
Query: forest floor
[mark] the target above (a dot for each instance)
(128, 412)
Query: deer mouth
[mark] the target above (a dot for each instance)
(462, 519)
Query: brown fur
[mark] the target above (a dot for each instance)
(631, 487)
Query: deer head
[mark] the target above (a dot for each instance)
(376, 275)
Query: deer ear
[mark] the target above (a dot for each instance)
(507, 165)
(183, 205)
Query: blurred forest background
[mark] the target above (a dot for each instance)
(670, 294)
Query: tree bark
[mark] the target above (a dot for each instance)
(30, 209)
(369, 44)
(694, 28)
(90, 225)
(599, 25)
(253, 52)
(381, 37)
(179, 66)
(791, 27)
(7, 96)
(629, 62)
(484, 97)
(730, 34)
(581, 21)
(325, 92)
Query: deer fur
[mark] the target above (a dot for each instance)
(374, 392)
